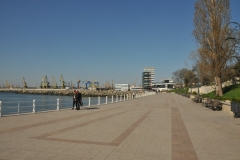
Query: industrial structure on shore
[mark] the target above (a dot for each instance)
(148, 83)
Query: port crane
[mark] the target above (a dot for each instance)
(62, 81)
(7, 84)
(92, 85)
(85, 82)
(45, 83)
(78, 83)
(24, 83)
(54, 83)
(107, 85)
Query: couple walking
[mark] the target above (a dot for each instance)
(77, 99)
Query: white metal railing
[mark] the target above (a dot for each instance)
(24, 107)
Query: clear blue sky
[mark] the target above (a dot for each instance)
(102, 39)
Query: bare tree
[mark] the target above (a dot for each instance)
(210, 19)
(179, 75)
(189, 78)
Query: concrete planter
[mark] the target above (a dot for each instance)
(192, 96)
(226, 107)
(235, 107)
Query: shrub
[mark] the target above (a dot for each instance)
(194, 93)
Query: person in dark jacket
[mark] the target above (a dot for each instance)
(74, 99)
(79, 99)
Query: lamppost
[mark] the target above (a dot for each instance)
(198, 77)
(192, 87)
(197, 73)
(233, 38)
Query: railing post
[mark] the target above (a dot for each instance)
(58, 104)
(89, 101)
(18, 108)
(0, 108)
(112, 98)
(98, 100)
(34, 111)
(106, 99)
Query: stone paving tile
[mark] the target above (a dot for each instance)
(144, 128)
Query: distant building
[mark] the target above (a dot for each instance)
(148, 77)
(164, 85)
(136, 88)
(121, 87)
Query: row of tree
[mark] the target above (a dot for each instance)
(193, 77)
(218, 44)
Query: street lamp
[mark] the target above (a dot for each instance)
(192, 87)
(233, 37)
(197, 73)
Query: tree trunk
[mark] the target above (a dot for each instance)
(219, 91)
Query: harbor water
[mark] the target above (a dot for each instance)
(13, 103)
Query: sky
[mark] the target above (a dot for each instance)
(103, 40)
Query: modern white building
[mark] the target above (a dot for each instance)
(148, 77)
(121, 87)
(136, 88)
(164, 85)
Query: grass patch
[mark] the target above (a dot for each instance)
(180, 90)
(231, 93)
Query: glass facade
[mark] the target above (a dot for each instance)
(121, 87)
(164, 85)
(148, 78)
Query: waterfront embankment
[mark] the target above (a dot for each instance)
(69, 92)
(161, 126)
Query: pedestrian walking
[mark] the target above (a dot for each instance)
(79, 99)
(74, 99)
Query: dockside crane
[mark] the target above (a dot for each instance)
(107, 85)
(42, 83)
(45, 83)
(24, 83)
(92, 85)
(84, 82)
(7, 84)
(62, 81)
(54, 83)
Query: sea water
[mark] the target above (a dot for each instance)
(13, 103)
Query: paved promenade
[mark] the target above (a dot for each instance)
(164, 126)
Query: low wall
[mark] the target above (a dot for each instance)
(202, 89)
(69, 92)
(226, 107)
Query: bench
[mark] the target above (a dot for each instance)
(186, 95)
(197, 99)
(207, 102)
(216, 105)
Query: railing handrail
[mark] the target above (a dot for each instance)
(118, 98)
(28, 101)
